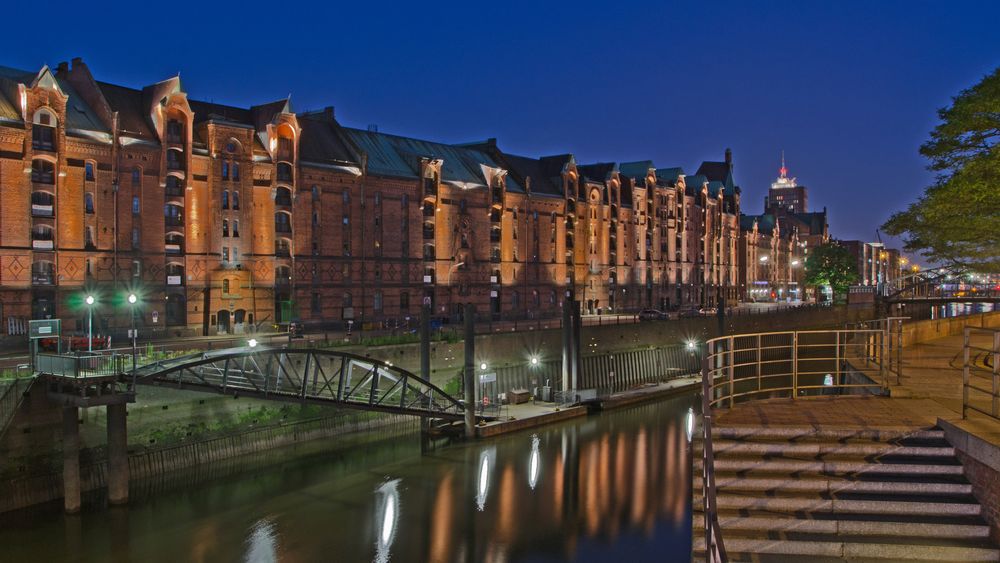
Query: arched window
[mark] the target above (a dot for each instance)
(236, 171)
(42, 204)
(173, 216)
(282, 222)
(88, 203)
(284, 172)
(136, 177)
(315, 193)
(236, 200)
(174, 160)
(174, 187)
(43, 171)
(43, 131)
(283, 196)
(175, 131)
(225, 170)
(225, 199)
(88, 171)
(348, 301)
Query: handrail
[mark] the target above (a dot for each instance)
(970, 370)
(796, 363)
(715, 549)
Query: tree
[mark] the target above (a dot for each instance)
(957, 220)
(832, 265)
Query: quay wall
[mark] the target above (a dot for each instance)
(922, 331)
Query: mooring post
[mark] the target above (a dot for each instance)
(118, 472)
(425, 342)
(469, 373)
(567, 342)
(71, 460)
(577, 322)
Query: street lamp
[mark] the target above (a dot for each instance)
(90, 322)
(132, 300)
(252, 343)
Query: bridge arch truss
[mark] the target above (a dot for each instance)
(304, 375)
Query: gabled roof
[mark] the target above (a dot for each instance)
(539, 171)
(669, 176)
(765, 222)
(599, 172)
(79, 115)
(264, 114)
(694, 183)
(393, 155)
(132, 116)
(719, 172)
(321, 141)
(208, 111)
(636, 170)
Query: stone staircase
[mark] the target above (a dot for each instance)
(802, 494)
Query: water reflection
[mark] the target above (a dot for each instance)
(533, 463)
(262, 543)
(592, 489)
(387, 516)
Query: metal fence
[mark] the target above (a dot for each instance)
(974, 397)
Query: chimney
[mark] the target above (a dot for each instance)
(328, 112)
(729, 157)
(62, 68)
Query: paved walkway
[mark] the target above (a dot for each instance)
(931, 388)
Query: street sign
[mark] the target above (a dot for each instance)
(44, 328)
(487, 377)
(156, 317)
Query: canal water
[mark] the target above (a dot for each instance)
(608, 487)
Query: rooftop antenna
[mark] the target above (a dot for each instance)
(373, 128)
(783, 171)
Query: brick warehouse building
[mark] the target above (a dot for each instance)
(226, 217)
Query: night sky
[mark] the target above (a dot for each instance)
(848, 90)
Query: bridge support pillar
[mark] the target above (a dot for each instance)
(118, 472)
(469, 373)
(71, 460)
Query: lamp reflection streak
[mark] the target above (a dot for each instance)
(386, 518)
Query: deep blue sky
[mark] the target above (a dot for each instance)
(848, 89)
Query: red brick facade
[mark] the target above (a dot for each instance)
(222, 217)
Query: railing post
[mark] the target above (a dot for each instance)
(730, 370)
(996, 373)
(795, 364)
(758, 363)
(836, 355)
(965, 371)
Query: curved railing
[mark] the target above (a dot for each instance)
(789, 364)
(795, 364)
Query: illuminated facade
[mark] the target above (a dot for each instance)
(225, 218)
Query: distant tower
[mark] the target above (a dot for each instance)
(786, 194)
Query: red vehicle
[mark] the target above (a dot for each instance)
(75, 343)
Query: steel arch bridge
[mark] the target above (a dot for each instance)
(304, 375)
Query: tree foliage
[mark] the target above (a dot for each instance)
(832, 265)
(957, 219)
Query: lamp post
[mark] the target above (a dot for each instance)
(90, 322)
(132, 299)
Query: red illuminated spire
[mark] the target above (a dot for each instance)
(783, 171)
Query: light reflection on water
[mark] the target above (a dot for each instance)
(594, 489)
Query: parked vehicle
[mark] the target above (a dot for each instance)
(653, 315)
(75, 343)
(707, 311)
(689, 313)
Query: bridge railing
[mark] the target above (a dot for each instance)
(82, 365)
(981, 383)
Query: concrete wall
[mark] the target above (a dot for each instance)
(981, 464)
(922, 331)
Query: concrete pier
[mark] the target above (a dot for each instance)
(71, 460)
(118, 472)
